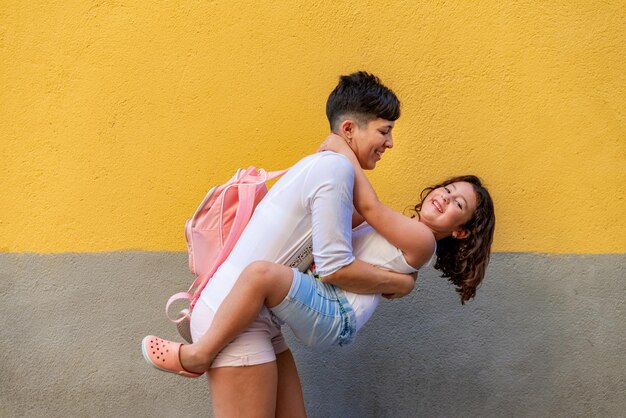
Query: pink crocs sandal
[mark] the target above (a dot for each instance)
(164, 355)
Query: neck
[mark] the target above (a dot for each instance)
(439, 235)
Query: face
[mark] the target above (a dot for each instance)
(447, 208)
(370, 141)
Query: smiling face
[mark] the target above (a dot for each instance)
(446, 209)
(370, 140)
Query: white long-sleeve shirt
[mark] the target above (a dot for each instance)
(311, 203)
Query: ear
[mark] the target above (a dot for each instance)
(346, 129)
(460, 233)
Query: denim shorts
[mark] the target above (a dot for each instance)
(318, 313)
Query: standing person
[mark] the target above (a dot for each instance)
(255, 374)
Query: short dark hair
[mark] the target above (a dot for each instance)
(362, 96)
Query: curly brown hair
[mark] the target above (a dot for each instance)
(464, 261)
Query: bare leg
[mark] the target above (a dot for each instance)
(261, 283)
(289, 399)
(244, 391)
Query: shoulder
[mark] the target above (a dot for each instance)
(331, 166)
(330, 158)
(424, 245)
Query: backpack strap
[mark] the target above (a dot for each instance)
(271, 175)
(174, 298)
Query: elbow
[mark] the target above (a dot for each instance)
(338, 276)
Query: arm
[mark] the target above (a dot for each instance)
(413, 238)
(357, 219)
(361, 277)
(327, 192)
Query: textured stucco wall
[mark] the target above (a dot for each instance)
(116, 117)
(544, 338)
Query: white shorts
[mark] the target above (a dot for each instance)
(258, 344)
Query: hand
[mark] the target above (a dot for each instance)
(404, 292)
(396, 295)
(336, 144)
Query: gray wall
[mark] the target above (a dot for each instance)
(544, 338)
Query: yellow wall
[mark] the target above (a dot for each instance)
(115, 117)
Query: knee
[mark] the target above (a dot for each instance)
(259, 271)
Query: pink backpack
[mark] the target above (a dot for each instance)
(214, 229)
